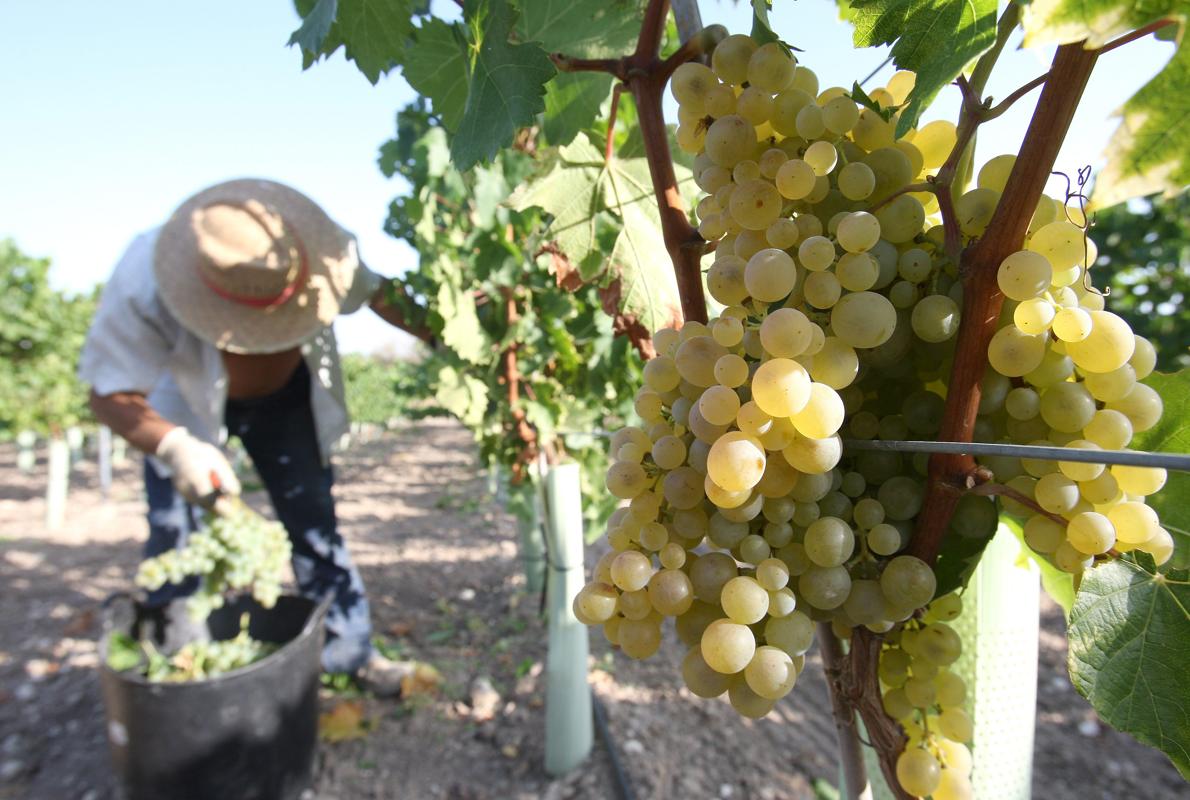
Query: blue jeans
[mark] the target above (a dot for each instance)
(278, 433)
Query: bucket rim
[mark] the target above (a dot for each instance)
(317, 613)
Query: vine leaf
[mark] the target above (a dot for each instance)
(372, 33)
(462, 395)
(1097, 21)
(762, 29)
(1129, 646)
(593, 202)
(461, 330)
(436, 67)
(506, 86)
(934, 38)
(1172, 434)
(1149, 151)
(608, 30)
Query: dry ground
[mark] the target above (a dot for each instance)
(440, 562)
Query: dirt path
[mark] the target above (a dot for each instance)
(440, 563)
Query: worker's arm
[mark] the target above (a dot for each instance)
(129, 414)
(198, 467)
(394, 305)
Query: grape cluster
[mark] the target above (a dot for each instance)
(1065, 372)
(926, 698)
(743, 519)
(239, 551)
(202, 660)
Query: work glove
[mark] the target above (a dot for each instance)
(201, 473)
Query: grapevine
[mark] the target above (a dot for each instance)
(745, 520)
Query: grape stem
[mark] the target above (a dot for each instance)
(859, 686)
(645, 75)
(851, 758)
(950, 475)
(924, 186)
(989, 489)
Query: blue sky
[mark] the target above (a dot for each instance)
(115, 112)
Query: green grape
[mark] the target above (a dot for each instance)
(974, 210)
(914, 265)
(795, 179)
(918, 772)
(770, 275)
(1056, 493)
(731, 371)
(730, 140)
(1139, 481)
(755, 204)
(821, 156)
(782, 234)
(736, 461)
(994, 174)
(771, 68)
(725, 279)
(863, 319)
(908, 582)
(771, 673)
(856, 181)
(1072, 324)
(825, 587)
(731, 56)
(809, 123)
(786, 333)
(1108, 346)
(935, 141)
(1067, 407)
(829, 542)
(700, 678)
(1034, 315)
(1013, 353)
(781, 387)
(858, 232)
(719, 405)
(1142, 405)
(840, 115)
(744, 600)
(1061, 243)
(755, 105)
(935, 318)
(901, 218)
(822, 416)
(727, 647)
(822, 289)
(786, 106)
(1023, 275)
(793, 633)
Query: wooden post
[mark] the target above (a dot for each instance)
(105, 461)
(58, 481)
(569, 730)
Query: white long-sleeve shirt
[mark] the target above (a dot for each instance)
(136, 345)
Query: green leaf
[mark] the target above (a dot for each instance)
(316, 24)
(572, 103)
(608, 30)
(1129, 647)
(1171, 435)
(436, 67)
(372, 32)
(461, 331)
(576, 190)
(972, 527)
(123, 652)
(860, 96)
(570, 192)
(1058, 585)
(462, 395)
(934, 38)
(506, 86)
(1150, 151)
(762, 30)
(1097, 21)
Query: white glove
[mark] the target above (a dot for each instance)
(198, 468)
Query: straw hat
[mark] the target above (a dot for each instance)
(253, 266)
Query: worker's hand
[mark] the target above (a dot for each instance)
(200, 471)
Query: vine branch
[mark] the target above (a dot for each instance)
(512, 377)
(992, 488)
(950, 475)
(851, 758)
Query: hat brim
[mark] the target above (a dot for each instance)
(332, 261)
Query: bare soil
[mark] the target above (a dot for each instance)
(439, 558)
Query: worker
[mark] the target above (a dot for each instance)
(216, 324)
